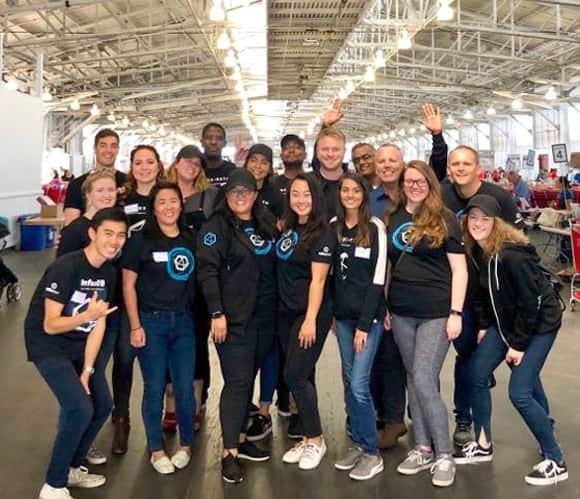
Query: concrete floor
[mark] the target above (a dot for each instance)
(29, 412)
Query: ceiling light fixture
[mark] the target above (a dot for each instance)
(12, 84)
(450, 120)
(517, 103)
(404, 41)
(230, 60)
(111, 117)
(75, 105)
(468, 115)
(125, 122)
(379, 59)
(445, 11)
(223, 42)
(217, 13)
(491, 111)
(46, 95)
(551, 94)
(369, 74)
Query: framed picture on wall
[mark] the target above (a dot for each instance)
(559, 153)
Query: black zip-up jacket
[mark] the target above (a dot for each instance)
(359, 277)
(228, 271)
(271, 199)
(516, 296)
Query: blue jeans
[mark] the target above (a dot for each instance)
(169, 344)
(525, 388)
(81, 415)
(465, 345)
(356, 374)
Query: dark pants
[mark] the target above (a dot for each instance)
(525, 388)
(6, 275)
(265, 360)
(388, 381)
(202, 322)
(237, 357)
(169, 344)
(123, 361)
(300, 364)
(465, 345)
(81, 415)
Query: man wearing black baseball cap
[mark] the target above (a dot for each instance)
(293, 155)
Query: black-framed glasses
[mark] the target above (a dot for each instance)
(364, 157)
(421, 182)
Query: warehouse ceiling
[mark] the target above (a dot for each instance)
(163, 67)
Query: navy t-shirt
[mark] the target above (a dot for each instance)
(70, 280)
(165, 269)
(294, 265)
(421, 276)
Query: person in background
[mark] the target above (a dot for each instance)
(199, 197)
(305, 253)
(359, 271)
(521, 190)
(64, 329)
(106, 150)
(293, 155)
(519, 316)
(425, 303)
(213, 141)
(259, 163)
(363, 158)
(159, 287)
(565, 196)
(236, 245)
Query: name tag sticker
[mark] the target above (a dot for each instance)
(160, 256)
(79, 297)
(360, 252)
(132, 209)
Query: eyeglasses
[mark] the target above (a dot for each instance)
(240, 192)
(421, 183)
(364, 157)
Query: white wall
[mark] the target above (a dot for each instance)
(21, 136)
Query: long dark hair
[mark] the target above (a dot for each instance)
(131, 183)
(317, 217)
(152, 231)
(264, 221)
(363, 231)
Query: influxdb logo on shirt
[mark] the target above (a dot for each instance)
(93, 283)
(53, 288)
(180, 264)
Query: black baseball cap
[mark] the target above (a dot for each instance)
(241, 177)
(262, 149)
(485, 203)
(190, 152)
(292, 138)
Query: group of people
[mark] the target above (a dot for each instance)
(398, 259)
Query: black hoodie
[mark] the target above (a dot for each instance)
(515, 295)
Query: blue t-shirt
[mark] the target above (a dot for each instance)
(379, 202)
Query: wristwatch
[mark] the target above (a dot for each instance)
(456, 312)
(89, 370)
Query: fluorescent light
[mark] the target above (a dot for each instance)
(217, 14)
(517, 103)
(125, 122)
(412, 130)
(237, 74)
(111, 117)
(468, 115)
(223, 42)
(75, 105)
(230, 60)
(145, 124)
(342, 94)
(302, 135)
(370, 74)
(350, 87)
(450, 120)
(402, 132)
(445, 11)
(551, 94)
(162, 131)
(491, 111)
(404, 42)
(12, 84)
(379, 59)
(46, 95)
(392, 134)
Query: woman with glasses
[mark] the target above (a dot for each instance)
(425, 300)
(237, 276)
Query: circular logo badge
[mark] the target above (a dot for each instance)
(400, 238)
(261, 247)
(180, 264)
(286, 244)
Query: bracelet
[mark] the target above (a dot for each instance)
(135, 328)
(456, 312)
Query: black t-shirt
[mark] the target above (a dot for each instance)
(266, 257)
(218, 176)
(281, 183)
(74, 237)
(136, 207)
(330, 191)
(74, 192)
(457, 204)
(421, 276)
(271, 199)
(165, 268)
(294, 265)
(70, 280)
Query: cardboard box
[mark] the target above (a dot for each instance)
(51, 211)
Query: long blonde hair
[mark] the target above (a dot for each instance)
(200, 184)
(429, 218)
(501, 234)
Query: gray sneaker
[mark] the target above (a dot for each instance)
(349, 461)
(443, 471)
(367, 467)
(416, 462)
(95, 456)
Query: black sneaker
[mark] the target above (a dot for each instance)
(547, 472)
(472, 452)
(462, 434)
(253, 409)
(295, 431)
(260, 428)
(232, 471)
(251, 452)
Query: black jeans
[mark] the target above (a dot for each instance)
(201, 321)
(81, 415)
(237, 360)
(123, 362)
(388, 381)
(300, 364)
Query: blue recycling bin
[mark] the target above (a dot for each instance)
(33, 237)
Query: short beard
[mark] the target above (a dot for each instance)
(293, 165)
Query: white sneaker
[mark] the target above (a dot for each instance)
(181, 459)
(48, 492)
(81, 478)
(95, 456)
(312, 456)
(163, 465)
(293, 455)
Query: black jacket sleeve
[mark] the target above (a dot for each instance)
(438, 159)
(212, 246)
(376, 287)
(522, 273)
